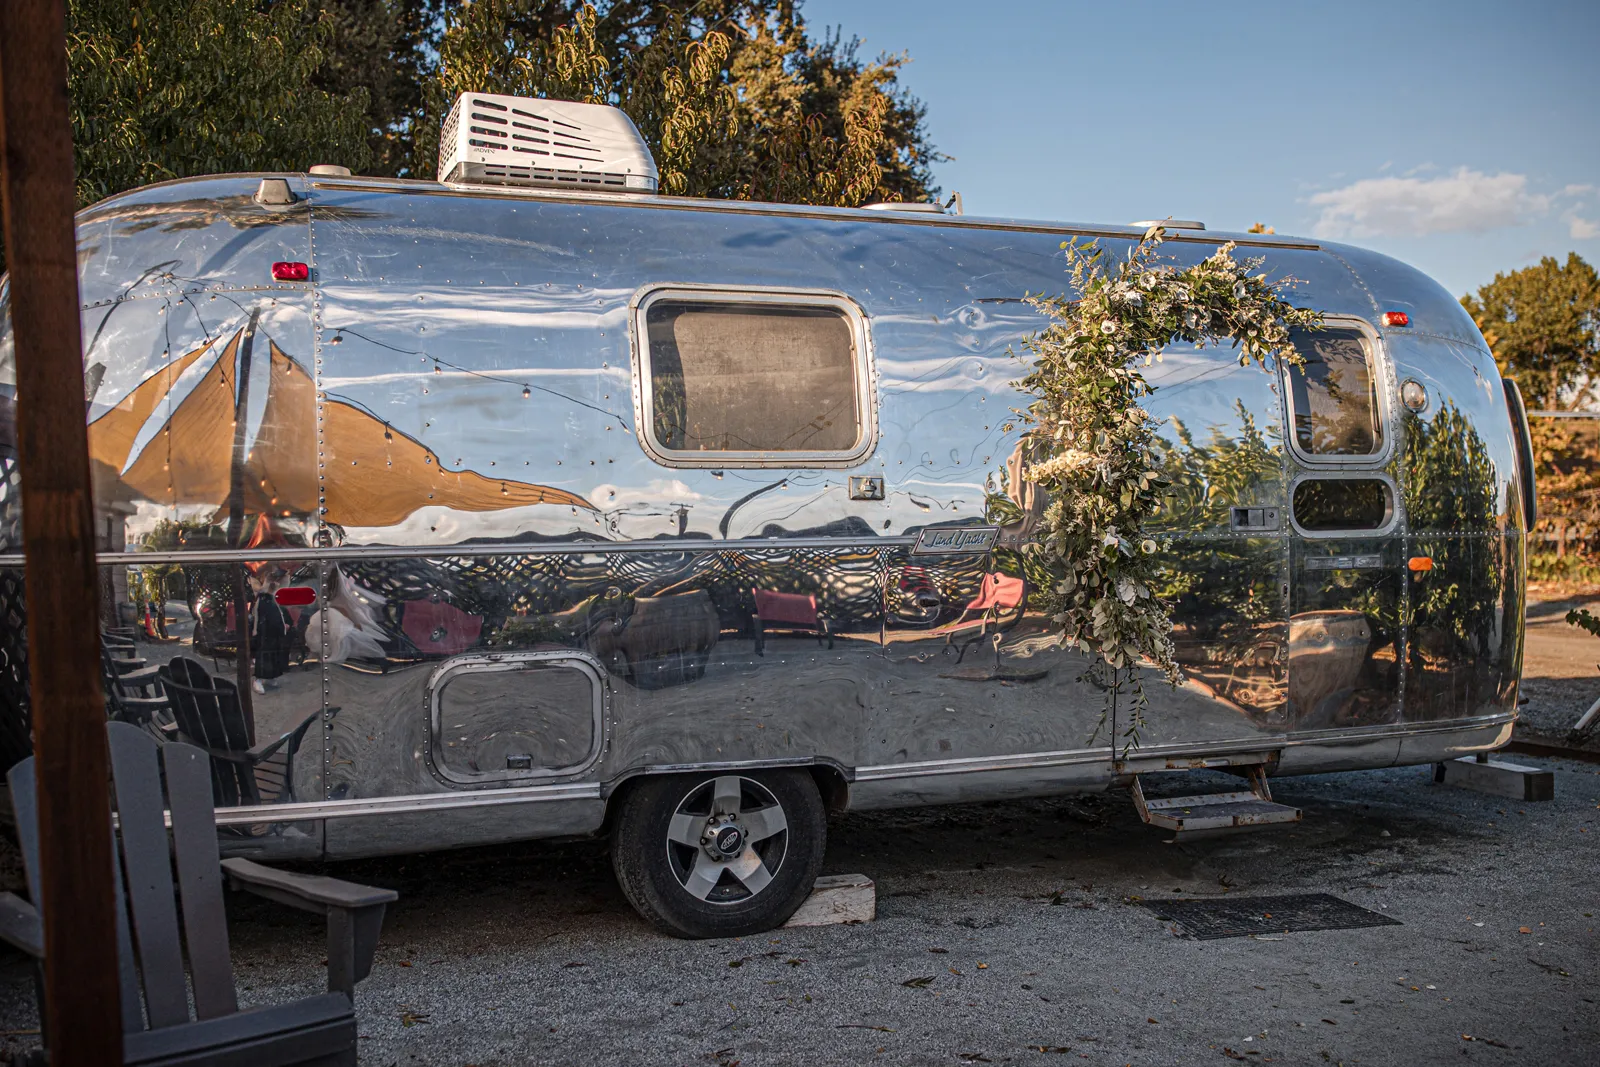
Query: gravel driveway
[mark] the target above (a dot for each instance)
(1008, 933)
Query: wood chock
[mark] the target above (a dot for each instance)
(1497, 778)
(838, 898)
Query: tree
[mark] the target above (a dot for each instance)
(167, 88)
(1543, 325)
(730, 95)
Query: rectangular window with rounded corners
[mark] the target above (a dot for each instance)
(1342, 505)
(1333, 399)
(731, 378)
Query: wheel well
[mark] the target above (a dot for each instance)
(830, 781)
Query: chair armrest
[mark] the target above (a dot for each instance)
(313, 892)
(355, 913)
(20, 926)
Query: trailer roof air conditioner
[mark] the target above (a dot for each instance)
(514, 140)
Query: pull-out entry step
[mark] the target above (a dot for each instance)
(1210, 814)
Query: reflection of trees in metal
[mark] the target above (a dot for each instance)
(1223, 591)
(1459, 609)
(1204, 481)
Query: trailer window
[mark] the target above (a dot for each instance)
(1326, 505)
(1335, 396)
(731, 377)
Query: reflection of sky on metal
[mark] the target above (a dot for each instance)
(435, 313)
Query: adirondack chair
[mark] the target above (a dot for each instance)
(318, 1031)
(208, 714)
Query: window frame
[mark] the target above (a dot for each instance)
(866, 412)
(1380, 374)
(1391, 520)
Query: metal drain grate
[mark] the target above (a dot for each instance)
(1216, 917)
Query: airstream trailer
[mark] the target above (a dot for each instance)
(530, 504)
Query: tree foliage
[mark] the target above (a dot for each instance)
(720, 98)
(1094, 448)
(1543, 325)
(163, 89)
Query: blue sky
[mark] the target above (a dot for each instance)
(1461, 137)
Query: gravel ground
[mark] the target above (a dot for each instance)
(529, 954)
(1560, 672)
(1019, 931)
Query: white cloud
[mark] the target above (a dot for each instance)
(1582, 229)
(1466, 201)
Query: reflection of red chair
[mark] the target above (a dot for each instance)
(439, 629)
(1002, 601)
(787, 611)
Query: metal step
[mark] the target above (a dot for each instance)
(1210, 814)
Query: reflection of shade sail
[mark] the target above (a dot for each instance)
(374, 475)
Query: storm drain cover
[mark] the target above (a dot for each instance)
(1215, 917)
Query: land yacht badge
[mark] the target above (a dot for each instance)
(942, 541)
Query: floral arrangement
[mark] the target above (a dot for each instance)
(1092, 448)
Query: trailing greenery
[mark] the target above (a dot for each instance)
(1094, 450)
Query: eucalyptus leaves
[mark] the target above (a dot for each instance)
(1092, 447)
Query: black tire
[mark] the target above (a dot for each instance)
(656, 871)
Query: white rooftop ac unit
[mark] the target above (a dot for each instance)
(517, 140)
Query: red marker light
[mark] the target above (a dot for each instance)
(295, 596)
(290, 272)
(1396, 318)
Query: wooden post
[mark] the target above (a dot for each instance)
(82, 1012)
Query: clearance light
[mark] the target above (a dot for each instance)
(1420, 564)
(1396, 318)
(290, 272)
(295, 596)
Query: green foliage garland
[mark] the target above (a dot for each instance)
(1093, 448)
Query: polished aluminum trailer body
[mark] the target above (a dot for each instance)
(527, 592)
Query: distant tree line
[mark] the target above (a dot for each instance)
(1543, 324)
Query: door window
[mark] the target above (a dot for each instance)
(1342, 505)
(1334, 396)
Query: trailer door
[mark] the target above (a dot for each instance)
(1346, 568)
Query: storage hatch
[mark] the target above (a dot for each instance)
(501, 718)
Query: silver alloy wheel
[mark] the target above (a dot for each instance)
(726, 840)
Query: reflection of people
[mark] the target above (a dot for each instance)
(271, 633)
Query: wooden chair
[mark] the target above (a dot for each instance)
(1001, 603)
(208, 715)
(787, 611)
(133, 691)
(318, 1031)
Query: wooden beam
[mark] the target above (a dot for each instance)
(82, 1014)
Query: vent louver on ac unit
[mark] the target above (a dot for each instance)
(514, 140)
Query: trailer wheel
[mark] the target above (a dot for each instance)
(720, 855)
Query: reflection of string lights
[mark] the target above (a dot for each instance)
(438, 364)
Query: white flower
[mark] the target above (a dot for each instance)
(1149, 547)
(1108, 327)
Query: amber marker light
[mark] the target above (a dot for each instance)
(290, 272)
(1420, 565)
(1396, 318)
